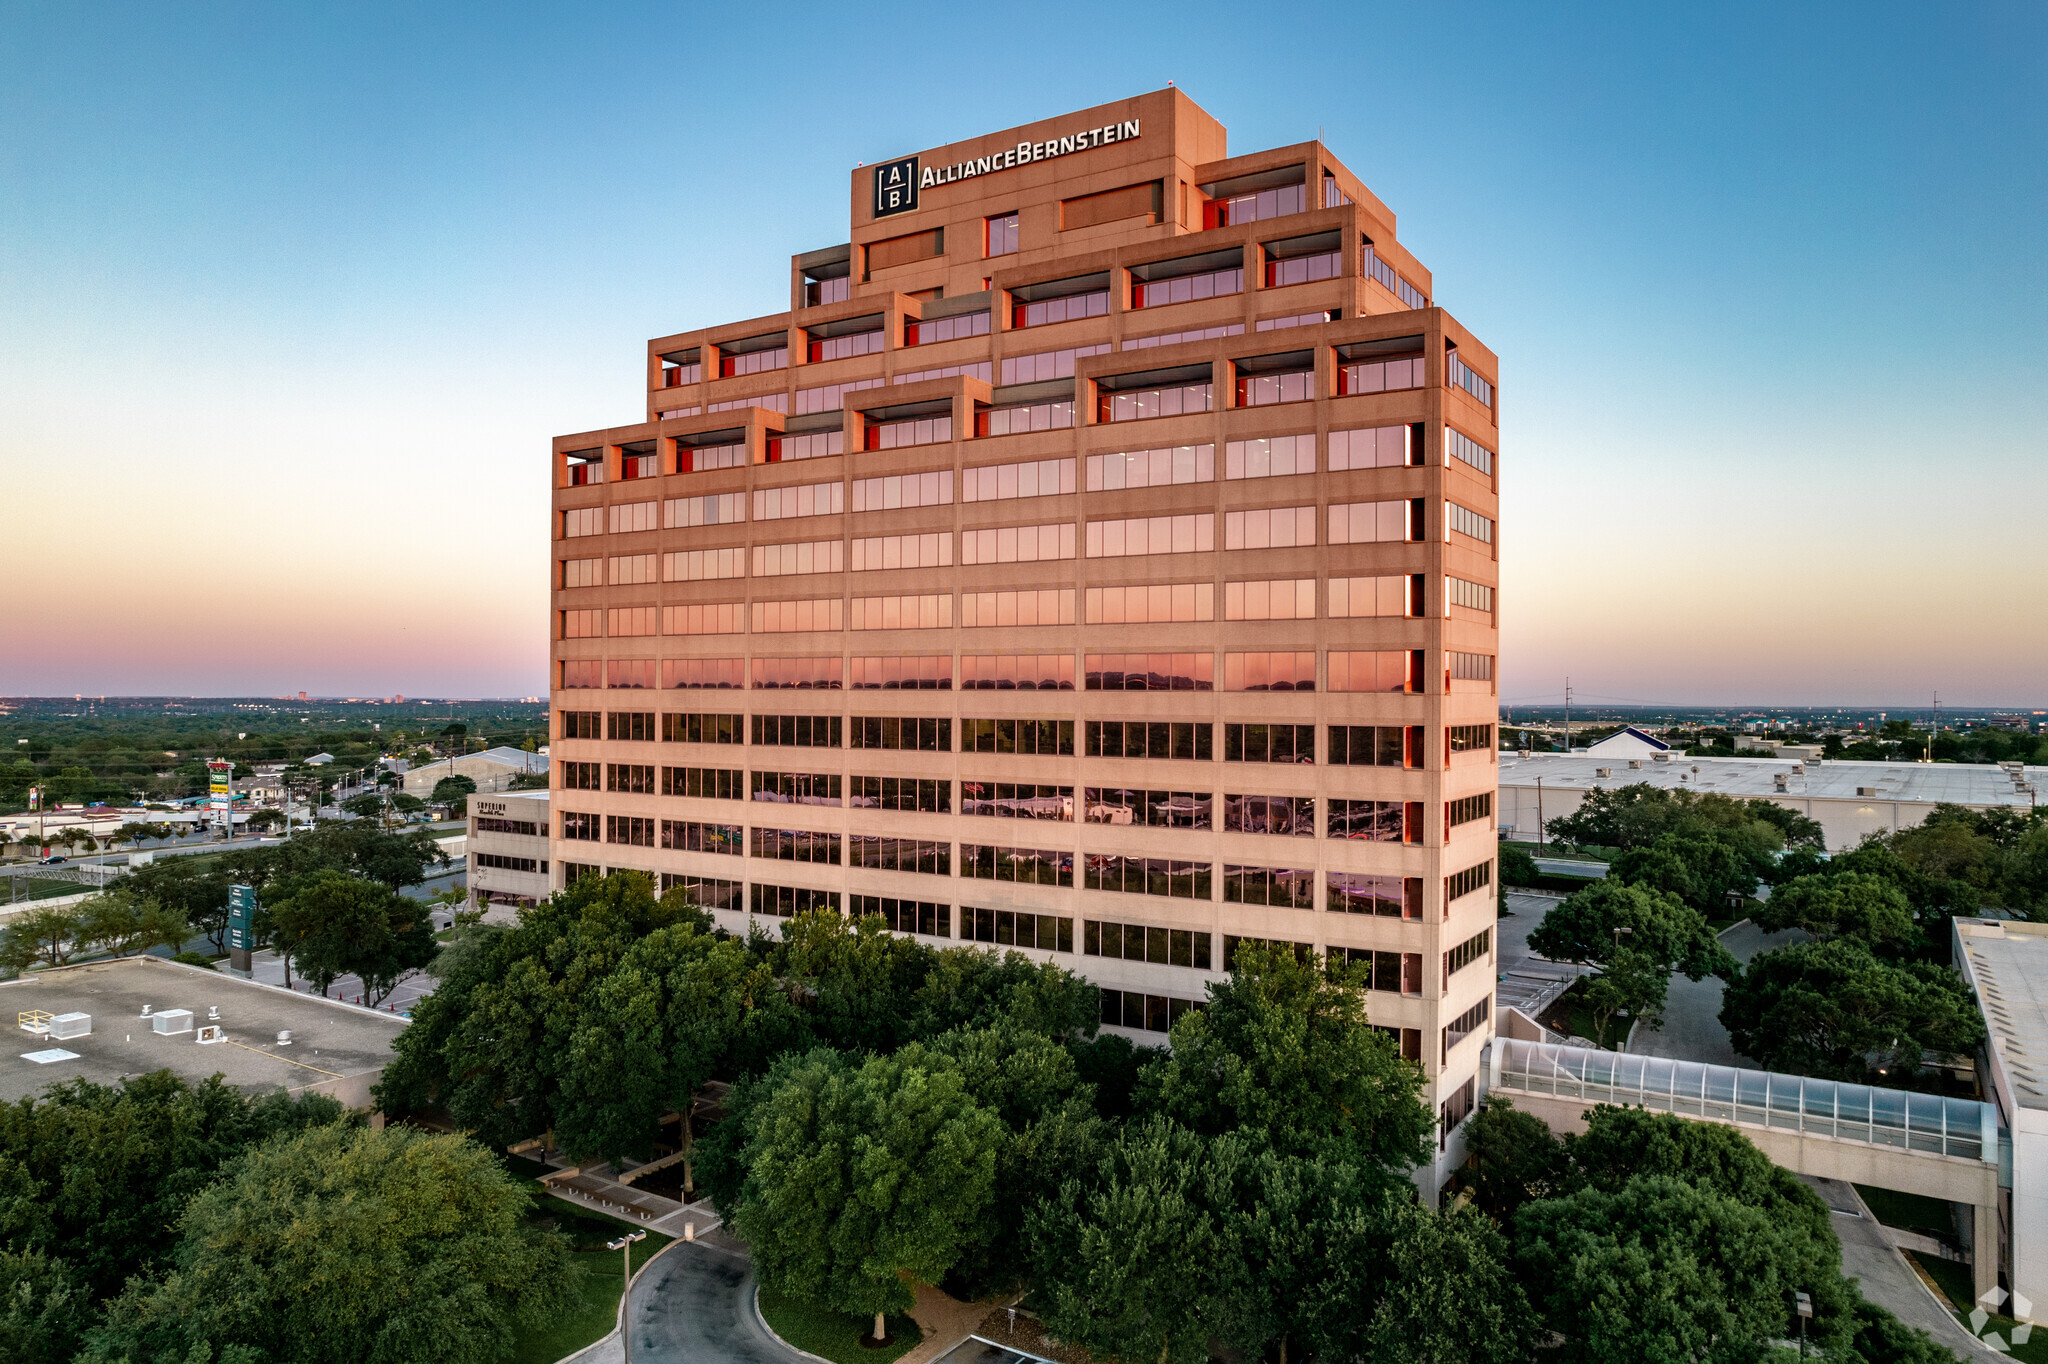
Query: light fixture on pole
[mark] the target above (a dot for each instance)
(1803, 1304)
(625, 1243)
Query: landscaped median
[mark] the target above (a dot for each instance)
(833, 1335)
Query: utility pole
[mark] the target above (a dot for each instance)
(1567, 717)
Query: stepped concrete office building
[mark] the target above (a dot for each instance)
(1097, 556)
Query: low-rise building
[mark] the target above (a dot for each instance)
(494, 769)
(2006, 966)
(1848, 799)
(507, 848)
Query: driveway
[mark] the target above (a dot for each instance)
(1692, 1028)
(695, 1305)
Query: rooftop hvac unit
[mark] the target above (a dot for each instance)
(171, 1020)
(210, 1033)
(71, 1025)
(1868, 791)
(1782, 782)
(1603, 771)
(1635, 764)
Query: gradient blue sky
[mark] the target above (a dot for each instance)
(292, 299)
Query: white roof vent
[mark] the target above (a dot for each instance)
(1635, 764)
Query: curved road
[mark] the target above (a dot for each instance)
(695, 1305)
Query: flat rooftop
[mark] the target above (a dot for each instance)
(2008, 963)
(1975, 784)
(335, 1047)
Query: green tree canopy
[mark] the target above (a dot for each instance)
(1512, 1158)
(1661, 926)
(333, 924)
(1835, 1009)
(1857, 905)
(1451, 1295)
(121, 922)
(412, 1242)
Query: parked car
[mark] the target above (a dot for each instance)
(52, 860)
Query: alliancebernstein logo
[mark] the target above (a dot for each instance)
(897, 182)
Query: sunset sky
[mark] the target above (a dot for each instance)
(292, 300)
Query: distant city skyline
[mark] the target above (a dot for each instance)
(293, 301)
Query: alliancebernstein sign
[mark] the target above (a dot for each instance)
(897, 182)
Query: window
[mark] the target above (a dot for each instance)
(799, 499)
(704, 618)
(579, 724)
(628, 622)
(717, 509)
(811, 445)
(774, 402)
(816, 672)
(1071, 308)
(579, 521)
(1365, 523)
(580, 828)
(1017, 544)
(1304, 269)
(1270, 528)
(1037, 738)
(934, 673)
(1152, 535)
(799, 557)
(1035, 478)
(832, 289)
(1030, 866)
(1000, 235)
(1282, 887)
(703, 565)
(1016, 672)
(690, 836)
(1465, 809)
(1380, 376)
(1462, 447)
(1141, 404)
(629, 673)
(1287, 816)
(1389, 897)
(695, 459)
(900, 854)
(842, 347)
(702, 783)
(715, 673)
(918, 733)
(633, 726)
(893, 435)
(1270, 457)
(1468, 739)
(1159, 602)
(927, 611)
(1187, 288)
(500, 862)
(1376, 447)
(1269, 743)
(700, 729)
(945, 329)
(904, 916)
(1269, 672)
(1255, 205)
(1016, 928)
(709, 892)
(1387, 670)
(639, 461)
(794, 845)
(1373, 267)
(1150, 672)
(586, 468)
(933, 550)
(1376, 821)
(977, 369)
(832, 397)
(1017, 418)
(1465, 521)
(1152, 468)
(1161, 876)
(1467, 881)
(629, 830)
(1161, 739)
(1397, 594)
(791, 617)
(524, 828)
(1470, 668)
(577, 776)
(797, 731)
(1151, 1013)
(1150, 809)
(1474, 948)
(1016, 800)
(755, 355)
(1469, 380)
(782, 902)
(582, 573)
(1271, 599)
(795, 788)
(572, 872)
(1048, 606)
(1458, 1105)
(1376, 745)
(1263, 390)
(587, 624)
(916, 795)
(1176, 338)
(1145, 942)
(903, 490)
(624, 518)
(1048, 364)
(1473, 596)
(685, 367)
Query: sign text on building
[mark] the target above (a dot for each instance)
(1024, 153)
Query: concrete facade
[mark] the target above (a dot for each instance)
(507, 848)
(1047, 544)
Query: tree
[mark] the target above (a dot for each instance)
(182, 886)
(260, 821)
(1512, 1158)
(1517, 867)
(1833, 1009)
(414, 1241)
(122, 923)
(1132, 1265)
(1283, 1053)
(1670, 933)
(334, 924)
(860, 981)
(132, 833)
(452, 791)
(1451, 1297)
(368, 805)
(1851, 905)
(44, 1312)
(407, 805)
(48, 936)
(1630, 983)
(1705, 868)
(864, 1180)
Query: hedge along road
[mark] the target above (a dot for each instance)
(695, 1305)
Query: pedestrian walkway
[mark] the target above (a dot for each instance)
(597, 1188)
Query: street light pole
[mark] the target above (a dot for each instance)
(625, 1243)
(1803, 1303)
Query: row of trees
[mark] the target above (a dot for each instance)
(901, 1114)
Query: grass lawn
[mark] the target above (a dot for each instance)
(1954, 1281)
(833, 1335)
(1911, 1212)
(1569, 1015)
(596, 1278)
